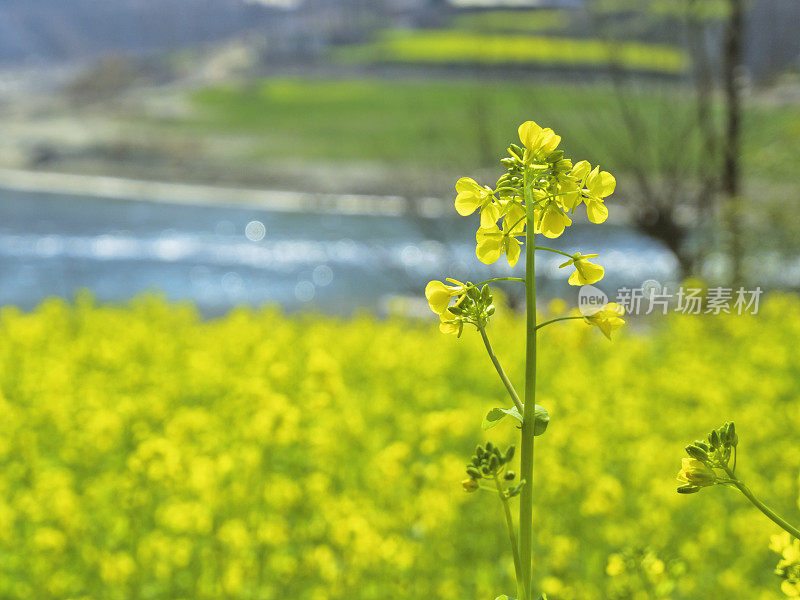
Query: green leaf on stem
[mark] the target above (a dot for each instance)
(541, 420)
(494, 416)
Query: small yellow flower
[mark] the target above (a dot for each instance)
(449, 324)
(471, 197)
(787, 546)
(492, 243)
(438, 294)
(777, 543)
(470, 485)
(539, 141)
(696, 473)
(791, 589)
(607, 319)
(552, 220)
(586, 273)
(598, 185)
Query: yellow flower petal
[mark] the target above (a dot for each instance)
(596, 211)
(449, 328)
(471, 196)
(490, 214)
(586, 273)
(790, 589)
(538, 140)
(489, 244)
(608, 319)
(554, 222)
(438, 295)
(528, 133)
(601, 183)
(512, 248)
(581, 170)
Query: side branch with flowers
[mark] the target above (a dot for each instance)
(539, 191)
(712, 462)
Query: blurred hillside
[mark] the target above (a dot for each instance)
(297, 31)
(53, 30)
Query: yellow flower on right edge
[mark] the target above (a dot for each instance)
(789, 566)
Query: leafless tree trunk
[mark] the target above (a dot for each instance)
(731, 172)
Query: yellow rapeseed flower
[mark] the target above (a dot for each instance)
(791, 589)
(448, 325)
(586, 273)
(608, 318)
(472, 196)
(598, 185)
(552, 220)
(538, 141)
(696, 473)
(438, 294)
(492, 243)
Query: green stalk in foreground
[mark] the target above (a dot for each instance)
(536, 194)
(529, 404)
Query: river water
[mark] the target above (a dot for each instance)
(219, 257)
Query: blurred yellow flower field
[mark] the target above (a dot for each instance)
(146, 453)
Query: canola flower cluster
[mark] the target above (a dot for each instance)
(540, 178)
(146, 453)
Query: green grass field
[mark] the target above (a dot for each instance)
(458, 124)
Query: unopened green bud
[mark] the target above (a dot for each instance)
(476, 461)
(688, 489)
(494, 462)
(474, 473)
(509, 475)
(516, 151)
(733, 438)
(509, 454)
(713, 439)
(697, 453)
(489, 446)
(479, 452)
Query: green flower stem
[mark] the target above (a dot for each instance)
(528, 416)
(506, 381)
(540, 325)
(496, 279)
(771, 514)
(554, 250)
(512, 536)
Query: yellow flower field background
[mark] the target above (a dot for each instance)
(147, 453)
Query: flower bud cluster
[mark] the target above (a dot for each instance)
(474, 306)
(699, 470)
(490, 463)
